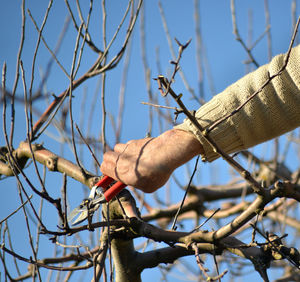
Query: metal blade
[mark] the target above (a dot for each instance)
(83, 216)
(93, 192)
(96, 198)
(80, 209)
(73, 213)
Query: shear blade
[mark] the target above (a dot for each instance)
(76, 211)
(95, 199)
(84, 212)
(80, 209)
(73, 214)
(93, 192)
(83, 216)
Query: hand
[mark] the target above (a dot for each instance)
(148, 163)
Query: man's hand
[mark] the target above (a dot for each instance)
(148, 163)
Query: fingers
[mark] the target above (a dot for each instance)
(108, 166)
(111, 160)
(130, 163)
(120, 148)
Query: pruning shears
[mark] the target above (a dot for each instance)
(102, 192)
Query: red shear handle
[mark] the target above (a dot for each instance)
(114, 190)
(104, 182)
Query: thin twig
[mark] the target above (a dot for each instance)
(268, 28)
(268, 80)
(3, 81)
(6, 273)
(99, 262)
(51, 60)
(268, 24)
(103, 125)
(237, 34)
(166, 29)
(17, 74)
(162, 107)
(147, 70)
(88, 39)
(28, 124)
(122, 91)
(30, 237)
(40, 264)
(294, 17)
(185, 194)
(11, 157)
(86, 35)
(72, 73)
(40, 30)
(47, 46)
(114, 60)
(203, 269)
(200, 261)
(86, 143)
(38, 225)
(11, 245)
(205, 221)
(199, 48)
(15, 211)
(254, 229)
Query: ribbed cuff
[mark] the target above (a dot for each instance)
(224, 135)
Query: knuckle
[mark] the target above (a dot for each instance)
(116, 147)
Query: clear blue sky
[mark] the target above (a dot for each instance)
(223, 65)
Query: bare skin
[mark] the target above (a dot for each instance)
(147, 163)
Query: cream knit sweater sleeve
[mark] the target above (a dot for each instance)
(274, 111)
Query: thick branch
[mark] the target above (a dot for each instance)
(51, 161)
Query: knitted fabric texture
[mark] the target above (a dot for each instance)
(272, 112)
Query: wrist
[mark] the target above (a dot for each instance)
(181, 145)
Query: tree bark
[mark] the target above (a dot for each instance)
(125, 256)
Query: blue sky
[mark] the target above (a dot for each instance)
(223, 61)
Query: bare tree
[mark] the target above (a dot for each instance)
(68, 132)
